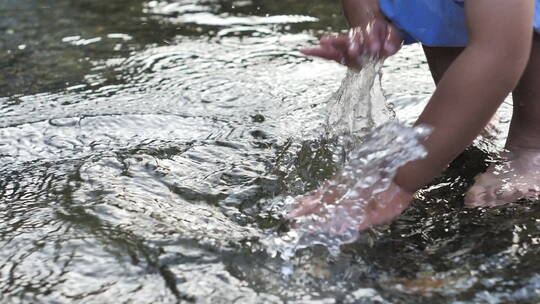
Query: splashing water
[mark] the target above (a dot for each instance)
(369, 171)
(373, 149)
(359, 104)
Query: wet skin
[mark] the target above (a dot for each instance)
(516, 71)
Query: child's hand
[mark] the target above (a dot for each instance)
(379, 39)
(364, 207)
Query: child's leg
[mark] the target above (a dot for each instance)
(525, 126)
(519, 175)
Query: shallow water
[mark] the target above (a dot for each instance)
(141, 143)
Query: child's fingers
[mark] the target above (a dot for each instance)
(343, 44)
(356, 40)
(325, 53)
(375, 34)
(339, 42)
(339, 48)
(350, 48)
(298, 212)
(306, 206)
(393, 41)
(331, 48)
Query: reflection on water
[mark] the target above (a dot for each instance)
(142, 143)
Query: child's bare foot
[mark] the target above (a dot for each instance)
(517, 177)
(367, 209)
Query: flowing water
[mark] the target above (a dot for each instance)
(144, 144)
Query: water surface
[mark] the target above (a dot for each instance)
(141, 143)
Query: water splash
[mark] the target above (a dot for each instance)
(359, 104)
(372, 148)
(369, 171)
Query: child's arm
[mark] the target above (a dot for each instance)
(474, 85)
(467, 96)
(361, 12)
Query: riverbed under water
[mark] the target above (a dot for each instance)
(142, 141)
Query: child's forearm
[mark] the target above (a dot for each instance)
(469, 93)
(456, 117)
(360, 12)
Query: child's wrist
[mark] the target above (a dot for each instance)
(400, 191)
(361, 12)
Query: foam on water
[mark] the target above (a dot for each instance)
(373, 147)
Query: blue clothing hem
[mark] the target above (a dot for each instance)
(433, 22)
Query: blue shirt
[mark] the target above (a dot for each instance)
(433, 22)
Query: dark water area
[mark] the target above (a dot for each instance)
(141, 143)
